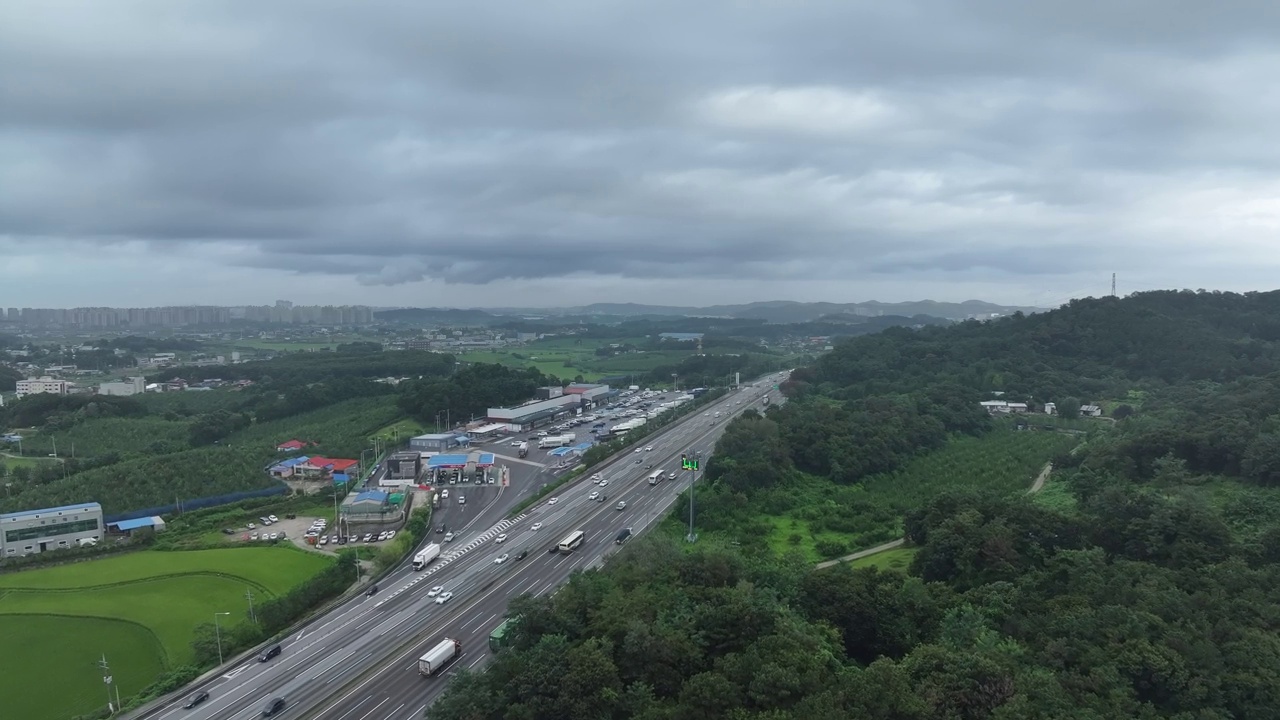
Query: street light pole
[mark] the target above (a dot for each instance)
(693, 476)
(217, 631)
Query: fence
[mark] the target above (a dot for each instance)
(199, 503)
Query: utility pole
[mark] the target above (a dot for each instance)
(1113, 284)
(248, 595)
(107, 680)
(217, 630)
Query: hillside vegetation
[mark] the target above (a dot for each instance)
(1149, 595)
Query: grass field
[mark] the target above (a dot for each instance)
(13, 461)
(569, 357)
(140, 608)
(896, 559)
(400, 429)
(58, 651)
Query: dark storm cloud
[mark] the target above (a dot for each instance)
(395, 142)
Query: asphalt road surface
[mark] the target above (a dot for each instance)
(359, 661)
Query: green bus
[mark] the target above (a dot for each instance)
(495, 637)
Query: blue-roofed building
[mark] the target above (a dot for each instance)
(370, 506)
(339, 479)
(128, 526)
(286, 468)
(35, 531)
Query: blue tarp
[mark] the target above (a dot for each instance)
(375, 495)
(340, 478)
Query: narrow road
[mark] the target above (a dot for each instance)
(1036, 487)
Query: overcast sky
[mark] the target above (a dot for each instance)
(551, 153)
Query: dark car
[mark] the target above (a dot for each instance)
(269, 653)
(622, 536)
(373, 589)
(273, 708)
(440, 529)
(552, 550)
(196, 699)
(523, 554)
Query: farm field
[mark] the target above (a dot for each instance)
(567, 359)
(141, 608)
(13, 461)
(399, 430)
(134, 655)
(110, 435)
(898, 559)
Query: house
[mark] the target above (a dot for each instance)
(314, 467)
(1016, 407)
(290, 445)
(341, 465)
(994, 407)
(1090, 411)
(288, 468)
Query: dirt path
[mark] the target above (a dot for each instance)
(1036, 487)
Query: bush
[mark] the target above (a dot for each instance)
(831, 548)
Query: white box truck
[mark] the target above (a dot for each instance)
(555, 441)
(424, 558)
(439, 656)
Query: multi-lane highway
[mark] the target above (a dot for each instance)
(358, 661)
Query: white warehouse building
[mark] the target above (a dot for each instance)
(35, 531)
(132, 386)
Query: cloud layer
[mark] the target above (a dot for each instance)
(537, 153)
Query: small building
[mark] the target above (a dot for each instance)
(290, 446)
(404, 466)
(1050, 409)
(370, 506)
(548, 392)
(35, 531)
(1091, 410)
(434, 443)
(128, 527)
(1017, 407)
(288, 468)
(995, 407)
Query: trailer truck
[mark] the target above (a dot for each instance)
(523, 449)
(439, 656)
(424, 558)
(555, 441)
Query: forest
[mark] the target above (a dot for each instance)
(1148, 591)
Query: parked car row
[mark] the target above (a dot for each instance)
(354, 538)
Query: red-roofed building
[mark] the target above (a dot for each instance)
(342, 466)
(290, 445)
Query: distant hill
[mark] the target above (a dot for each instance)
(787, 311)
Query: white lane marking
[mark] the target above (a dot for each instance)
(236, 672)
(393, 712)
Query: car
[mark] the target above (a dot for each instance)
(706, 414)
(593, 496)
(621, 505)
(439, 529)
(264, 521)
(501, 559)
(536, 527)
(252, 526)
(638, 460)
(273, 518)
(523, 554)
(253, 536)
(273, 708)
(382, 536)
(443, 598)
(671, 475)
(435, 591)
(596, 477)
(448, 537)
(373, 590)
(500, 539)
(269, 653)
(553, 501)
(515, 442)
(602, 498)
(274, 536)
(368, 537)
(332, 538)
(638, 450)
(391, 534)
(649, 449)
(462, 499)
(444, 493)
(604, 483)
(196, 699)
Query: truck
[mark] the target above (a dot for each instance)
(523, 449)
(555, 441)
(427, 554)
(439, 656)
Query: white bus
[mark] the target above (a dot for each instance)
(572, 541)
(655, 477)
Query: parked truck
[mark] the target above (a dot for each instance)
(424, 558)
(439, 656)
(555, 441)
(523, 449)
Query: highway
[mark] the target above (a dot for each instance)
(358, 661)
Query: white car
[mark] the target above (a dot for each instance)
(253, 536)
(462, 499)
(252, 526)
(597, 477)
(604, 483)
(382, 536)
(535, 527)
(445, 493)
(515, 443)
(501, 559)
(500, 539)
(593, 496)
(448, 537)
(638, 450)
(443, 598)
(324, 539)
(273, 518)
(649, 449)
(391, 534)
(435, 591)
(553, 501)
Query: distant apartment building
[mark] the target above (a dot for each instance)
(132, 386)
(46, 384)
(193, 315)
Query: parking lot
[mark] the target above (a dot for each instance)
(306, 532)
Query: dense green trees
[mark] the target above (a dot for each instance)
(469, 392)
